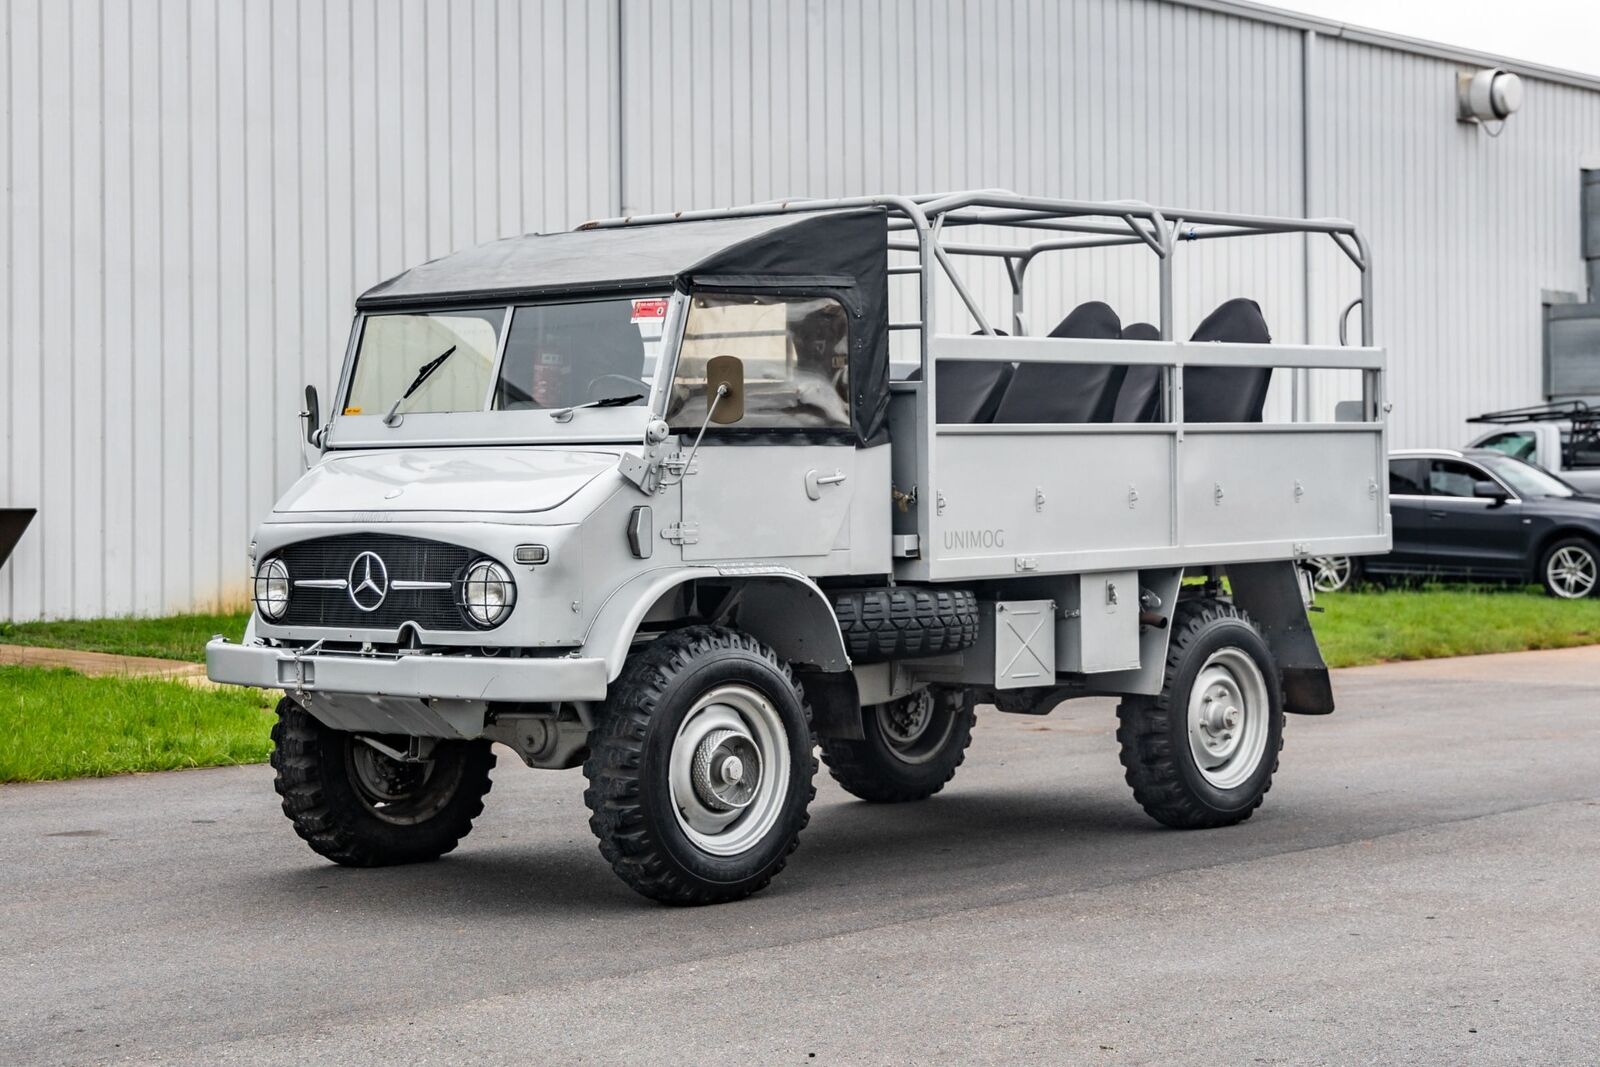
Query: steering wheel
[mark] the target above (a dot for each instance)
(589, 389)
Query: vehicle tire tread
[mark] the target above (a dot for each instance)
(299, 761)
(1144, 731)
(616, 757)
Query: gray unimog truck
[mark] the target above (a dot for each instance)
(651, 497)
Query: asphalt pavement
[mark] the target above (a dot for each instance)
(1422, 885)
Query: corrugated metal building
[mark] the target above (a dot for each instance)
(196, 190)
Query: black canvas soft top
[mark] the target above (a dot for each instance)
(843, 252)
(629, 258)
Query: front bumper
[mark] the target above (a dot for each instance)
(413, 677)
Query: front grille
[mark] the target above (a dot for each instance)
(404, 558)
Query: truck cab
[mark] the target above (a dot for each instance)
(652, 497)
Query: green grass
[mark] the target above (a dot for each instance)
(1376, 625)
(61, 724)
(174, 637)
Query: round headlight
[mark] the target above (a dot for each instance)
(488, 593)
(272, 589)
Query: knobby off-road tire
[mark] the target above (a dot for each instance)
(1203, 752)
(1570, 569)
(700, 768)
(912, 747)
(905, 622)
(360, 808)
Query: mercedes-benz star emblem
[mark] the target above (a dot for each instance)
(368, 582)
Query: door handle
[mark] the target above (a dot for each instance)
(1439, 514)
(815, 482)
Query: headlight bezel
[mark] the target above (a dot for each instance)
(272, 570)
(483, 575)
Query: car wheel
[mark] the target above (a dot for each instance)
(359, 807)
(1202, 752)
(1330, 574)
(700, 767)
(910, 747)
(1570, 569)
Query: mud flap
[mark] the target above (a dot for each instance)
(1270, 594)
(835, 703)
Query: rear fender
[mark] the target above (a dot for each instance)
(1270, 594)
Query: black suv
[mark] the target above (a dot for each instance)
(1482, 515)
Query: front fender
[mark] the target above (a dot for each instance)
(778, 606)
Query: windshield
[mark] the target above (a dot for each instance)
(552, 356)
(1526, 479)
(565, 355)
(395, 347)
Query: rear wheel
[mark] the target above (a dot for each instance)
(1203, 752)
(700, 768)
(362, 808)
(911, 748)
(1570, 569)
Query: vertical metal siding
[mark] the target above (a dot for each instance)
(195, 193)
(1094, 99)
(1466, 228)
(196, 190)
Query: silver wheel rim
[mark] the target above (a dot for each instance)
(912, 727)
(1228, 718)
(1329, 574)
(1572, 572)
(728, 772)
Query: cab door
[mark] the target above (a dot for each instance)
(769, 501)
(1469, 534)
(778, 482)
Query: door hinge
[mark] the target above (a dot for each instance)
(678, 464)
(682, 533)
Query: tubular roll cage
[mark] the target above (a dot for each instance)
(919, 223)
(926, 216)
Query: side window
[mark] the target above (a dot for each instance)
(796, 356)
(1406, 477)
(1518, 445)
(1448, 477)
(1581, 448)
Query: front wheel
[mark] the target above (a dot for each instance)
(1570, 569)
(1331, 574)
(911, 748)
(359, 807)
(700, 768)
(1203, 752)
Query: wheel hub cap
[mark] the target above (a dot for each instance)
(726, 770)
(906, 720)
(1228, 718)
(1220, 717)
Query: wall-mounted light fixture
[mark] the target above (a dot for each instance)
(1487, 97)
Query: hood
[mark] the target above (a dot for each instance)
(446, 479)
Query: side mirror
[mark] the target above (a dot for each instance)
(312, 416)
(1488, 490)
(725, 371)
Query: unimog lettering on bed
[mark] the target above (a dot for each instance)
(652, 497)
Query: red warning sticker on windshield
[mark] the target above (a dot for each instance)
(653, 309)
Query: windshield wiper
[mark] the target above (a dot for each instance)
(565, 414)
(423, 373)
